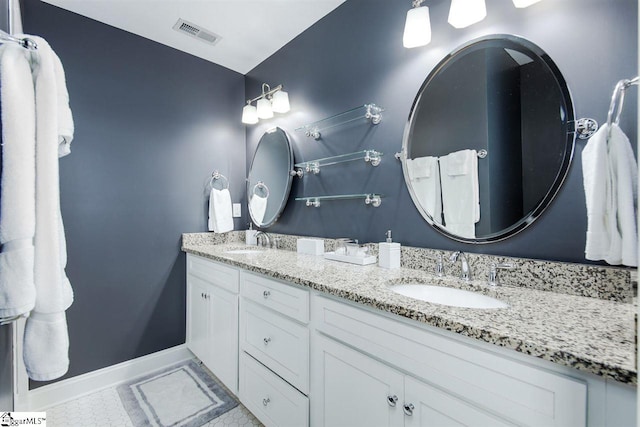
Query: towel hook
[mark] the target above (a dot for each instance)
(263, 186)
(218, 176)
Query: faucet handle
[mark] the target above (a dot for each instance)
(494, 279)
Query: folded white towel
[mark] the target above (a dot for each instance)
(53, 290)
(17, 198)
(220, 211)
(46, 346)
(460, 192)
(424, 175)
(258, 207)
(610, 176)
(65, 117)
(597, 188)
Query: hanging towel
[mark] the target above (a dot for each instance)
(424, 175)
(65, 117)
(17, 198)
(46, 339)
(220, 211)
(610, 183)
(258, 206)
(460, 192)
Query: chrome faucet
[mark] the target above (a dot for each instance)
(494, 279)
(265, 241)
(464, 264)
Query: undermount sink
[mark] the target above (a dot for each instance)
(448, 296)
(244, 251)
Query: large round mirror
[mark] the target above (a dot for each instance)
(269, 180)
(489, 139)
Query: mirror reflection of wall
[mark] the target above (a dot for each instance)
(269, 180)
(501, 94)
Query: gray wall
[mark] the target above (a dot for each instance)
(355, 55)
(152, 123)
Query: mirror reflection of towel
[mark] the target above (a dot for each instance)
(460, 192)
(258, 206)
(220, 211)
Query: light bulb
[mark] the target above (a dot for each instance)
(280, 102)
(249, 115)
(417, 27)
(264, 108)
(466, 12)
(524, 3)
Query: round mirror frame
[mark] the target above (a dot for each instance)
(504, 41)
(287, 190)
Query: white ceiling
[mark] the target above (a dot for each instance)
(250, 30)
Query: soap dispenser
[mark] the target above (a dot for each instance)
(250, 235)
(389, 253)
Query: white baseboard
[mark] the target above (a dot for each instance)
(54, 394)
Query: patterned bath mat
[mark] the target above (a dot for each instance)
(181, 396)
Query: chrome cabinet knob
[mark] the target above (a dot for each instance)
(266, 340)
(266, 401)
(408, 409)
(391, 400)
(266, 294)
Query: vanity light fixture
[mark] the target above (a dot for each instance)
(270, 101)
(417, 27)
(524, 3)
(467, 12)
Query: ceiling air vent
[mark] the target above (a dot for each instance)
(193, 30)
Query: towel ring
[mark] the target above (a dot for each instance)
(263, 186)
(617, 101)
(218, 176)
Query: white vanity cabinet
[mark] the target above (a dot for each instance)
(369, 369)
(212, 317)
(274, 356)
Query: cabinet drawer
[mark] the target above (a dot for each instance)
(285, 299)
(269, 398)
(214, 273)
(515, 390)
(278, 342)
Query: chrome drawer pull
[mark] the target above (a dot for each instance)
(266, 294)
(266, 401)
(408, 409)
(266, 341)
(391, 400)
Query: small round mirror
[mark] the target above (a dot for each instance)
(489, 139)
(269, 180)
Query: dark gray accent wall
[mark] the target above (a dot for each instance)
(355, 56)
(152, 123)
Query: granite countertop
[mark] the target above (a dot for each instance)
(588, 334)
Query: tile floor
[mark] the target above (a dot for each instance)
(104, 408)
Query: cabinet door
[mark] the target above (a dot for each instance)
(197, 317)
(350, 389)
(427, 406)
(223, 336)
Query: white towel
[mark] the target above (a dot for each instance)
(220, 211)
(460, 192)
(610, 182)
(424, 176)
(47, 323)
(65, 117)
(258, 206)
(17, 201)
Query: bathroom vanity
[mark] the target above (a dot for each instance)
(306, 341)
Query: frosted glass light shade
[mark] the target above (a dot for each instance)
(249, 115)
(466, 12)
(524, 3)
(264, 108)
(280, 102)
(417, 27)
